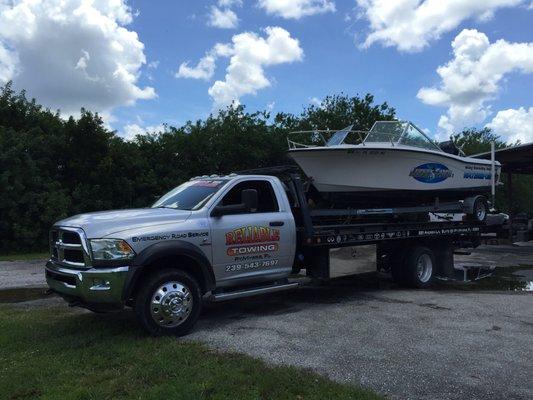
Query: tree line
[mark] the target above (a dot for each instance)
(51, 167)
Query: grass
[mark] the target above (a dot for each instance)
(23, 257)
(60, 354)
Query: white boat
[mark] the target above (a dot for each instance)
(394, 160)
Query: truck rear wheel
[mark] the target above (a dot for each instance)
(169, 303)
(419, 267)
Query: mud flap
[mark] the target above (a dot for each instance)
(317, 265)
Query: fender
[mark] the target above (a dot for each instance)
(468, 204)
(166, 249)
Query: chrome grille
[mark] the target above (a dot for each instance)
(68, 247)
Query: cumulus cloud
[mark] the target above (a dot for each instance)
(229, 3)
(221, 15)
(514, 125)
(205, 68)
(473, 76)
(249, 54)
(222, 18)
(296, 9)
(72, 53)
(130, 131)
(410, 25)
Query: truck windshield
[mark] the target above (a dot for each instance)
(191, 195)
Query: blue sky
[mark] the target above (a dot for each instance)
(394, 65)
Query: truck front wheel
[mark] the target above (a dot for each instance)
(168, 303)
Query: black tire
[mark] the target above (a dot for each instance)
(418, 258)
(480, 209)
(144, 306)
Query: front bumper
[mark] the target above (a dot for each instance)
(88, 286)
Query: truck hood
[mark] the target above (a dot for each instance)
(105, 223)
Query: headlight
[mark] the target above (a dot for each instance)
(111, 249)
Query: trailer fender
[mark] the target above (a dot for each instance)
(469, 202)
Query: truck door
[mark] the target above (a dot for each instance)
(255, 245)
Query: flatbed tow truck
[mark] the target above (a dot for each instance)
(218, 238)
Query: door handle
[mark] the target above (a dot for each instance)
(277, 223)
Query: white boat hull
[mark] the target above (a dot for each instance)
(392, 169)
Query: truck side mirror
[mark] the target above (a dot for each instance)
(249, 202)
(249, 198)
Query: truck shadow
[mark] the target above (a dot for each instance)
(336, 291)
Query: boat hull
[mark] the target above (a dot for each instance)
(390, 172)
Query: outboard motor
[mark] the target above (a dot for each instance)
(450, 147)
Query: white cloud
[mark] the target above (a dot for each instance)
(473, 76)
(296, 9)
(132, 130)
(410, 25)
(229, 3)
(249, 54)
(205, 68)
(514, 125)
(222, 18)
(72, 53)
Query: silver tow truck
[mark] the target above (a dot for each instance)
(217, 238)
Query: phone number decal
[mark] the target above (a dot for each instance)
(251, 265)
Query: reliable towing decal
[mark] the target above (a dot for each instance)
(252, 239)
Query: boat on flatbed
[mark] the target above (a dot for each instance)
(395, 160)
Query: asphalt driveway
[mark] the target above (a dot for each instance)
(445, 344)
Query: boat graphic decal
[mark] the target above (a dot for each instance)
(431, 173)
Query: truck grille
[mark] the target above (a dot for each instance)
(68, 247)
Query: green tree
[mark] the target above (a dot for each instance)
(475, 141)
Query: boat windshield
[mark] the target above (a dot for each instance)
(400, 132)
(414, 137)
(386, 131)
(339, 136)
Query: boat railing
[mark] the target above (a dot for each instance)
(320, 138)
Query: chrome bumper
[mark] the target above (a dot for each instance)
(94, 285)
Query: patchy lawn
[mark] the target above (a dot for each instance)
(62, 354)
(23, 257)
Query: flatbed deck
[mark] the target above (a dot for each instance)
(372, 233)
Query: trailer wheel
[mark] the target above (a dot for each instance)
(419, 267)
(480, 209)
(169, 303)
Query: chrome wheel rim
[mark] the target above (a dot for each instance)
(171, 304)
(424, 268)
(480, 211)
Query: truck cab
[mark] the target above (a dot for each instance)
(206, 236)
